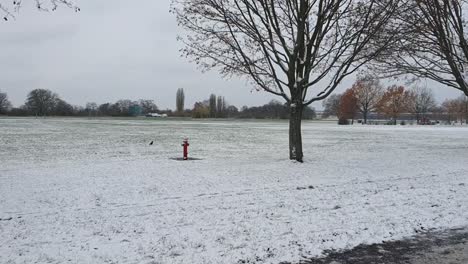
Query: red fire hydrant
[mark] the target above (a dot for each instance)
(185, 145)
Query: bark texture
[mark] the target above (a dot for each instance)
(295, 133)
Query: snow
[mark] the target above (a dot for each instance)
(95, 191)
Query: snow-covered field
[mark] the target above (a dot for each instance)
(95, 191)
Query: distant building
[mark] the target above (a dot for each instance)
(156, 115)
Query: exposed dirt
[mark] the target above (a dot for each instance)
(447, 247)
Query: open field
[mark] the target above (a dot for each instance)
(94, 191)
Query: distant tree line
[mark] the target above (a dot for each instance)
(217, 107)
(367, 96)
(124, 107)
(214, 107)
(274, 110)
(42, 102)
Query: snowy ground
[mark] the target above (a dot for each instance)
(94, 191)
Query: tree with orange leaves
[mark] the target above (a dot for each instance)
(456, 109)
(348, 106)
(395, 101)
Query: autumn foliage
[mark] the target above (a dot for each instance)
(456, 109)
(395, 101)
(348, 105)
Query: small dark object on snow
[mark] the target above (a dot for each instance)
(182, 159)
(151, 143)
(310, 187)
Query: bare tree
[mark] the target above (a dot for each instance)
(457, 109)
(91, 108)
(148, 106)
(123, 106)
(331, 105)
(432, 43)
(41, 102)
(10, 8)
(464, 107)
(220, 106)
(5, 104)
(423, 101)
(451, 108)
(368, 91)
(285, 47)
(62, 108)
(180, 100)
(212, 105)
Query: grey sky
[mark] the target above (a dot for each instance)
(113, 50)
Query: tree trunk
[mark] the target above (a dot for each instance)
(295, 136)
(365, 117)
(466, 113)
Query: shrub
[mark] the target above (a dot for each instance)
(343, 121)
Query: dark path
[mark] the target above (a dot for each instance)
(448, 247)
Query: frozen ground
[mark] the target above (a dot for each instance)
(430, 247)
(94, 191)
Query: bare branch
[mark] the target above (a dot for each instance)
(9, 9)
(432, 43)
(284, 47)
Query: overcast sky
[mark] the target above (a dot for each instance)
(113, 50)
